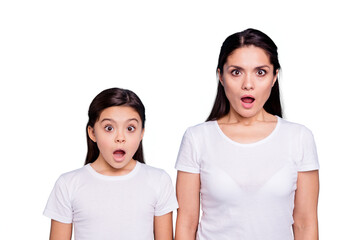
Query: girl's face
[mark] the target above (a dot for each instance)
(118, 133)
(247, 79)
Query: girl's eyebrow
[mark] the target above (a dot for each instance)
(107, 119)
(111, 120)
(133, 119)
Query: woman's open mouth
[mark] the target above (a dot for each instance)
(247, 101)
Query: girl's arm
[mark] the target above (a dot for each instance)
(188, 196)
(305, 211)
(60, 231)
(163, 227)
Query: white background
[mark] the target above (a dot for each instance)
(55, 56)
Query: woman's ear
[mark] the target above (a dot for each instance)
(220, 77)
(142, 133)
(91, 133)
(275, 77)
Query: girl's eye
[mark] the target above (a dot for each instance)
(261, 72)
(235, 72)
(131, 128)
(109, 128)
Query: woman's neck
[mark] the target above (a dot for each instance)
(234, 117)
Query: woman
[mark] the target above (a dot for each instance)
(255, 174)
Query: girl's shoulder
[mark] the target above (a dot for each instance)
(154, 177)
(74, 174)
(152, 171)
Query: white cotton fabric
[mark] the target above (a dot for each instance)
(247, 190)
(112, 207)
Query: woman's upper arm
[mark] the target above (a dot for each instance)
(188, 196)
(306, 201)
(163, 227)
(60, 231)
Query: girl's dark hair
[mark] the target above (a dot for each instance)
(247, 37)
(109, 98)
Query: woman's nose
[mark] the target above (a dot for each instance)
(248, 83)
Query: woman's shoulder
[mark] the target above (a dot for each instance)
(293, 127)
(201, 128)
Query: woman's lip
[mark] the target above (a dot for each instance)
(247, 104)
(247, 96)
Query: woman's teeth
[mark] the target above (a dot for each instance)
(247, 99)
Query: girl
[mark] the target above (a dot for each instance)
(255, 174)
(115, 195)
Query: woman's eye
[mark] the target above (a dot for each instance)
(235, 72)
(109, 128)
(261, 72)
(131, 129)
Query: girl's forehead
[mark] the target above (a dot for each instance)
(119, 113)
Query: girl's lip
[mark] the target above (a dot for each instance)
(119, 155)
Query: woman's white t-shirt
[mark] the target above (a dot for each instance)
(247, 190)
(112, 207)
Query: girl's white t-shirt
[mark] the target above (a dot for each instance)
(112, 207)
(247, 190)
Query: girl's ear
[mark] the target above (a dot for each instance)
(91, 133)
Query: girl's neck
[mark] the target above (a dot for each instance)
(104, 168)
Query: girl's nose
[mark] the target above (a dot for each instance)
(120, 138)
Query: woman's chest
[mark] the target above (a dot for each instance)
(229, 173)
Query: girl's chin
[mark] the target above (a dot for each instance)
(119, 160)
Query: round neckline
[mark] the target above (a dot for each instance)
(265, 139)
(113, 178)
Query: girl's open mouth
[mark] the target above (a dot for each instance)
(119, 155)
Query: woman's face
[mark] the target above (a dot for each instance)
(247, 79)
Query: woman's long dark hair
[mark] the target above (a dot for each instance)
(109, 98)
(247, 37)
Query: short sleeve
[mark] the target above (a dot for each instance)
(308, 160)
(187, 159)
(58, 206)
(166, 196)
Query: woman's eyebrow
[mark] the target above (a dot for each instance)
(240, 68)
(262, 66)
(234, 66)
